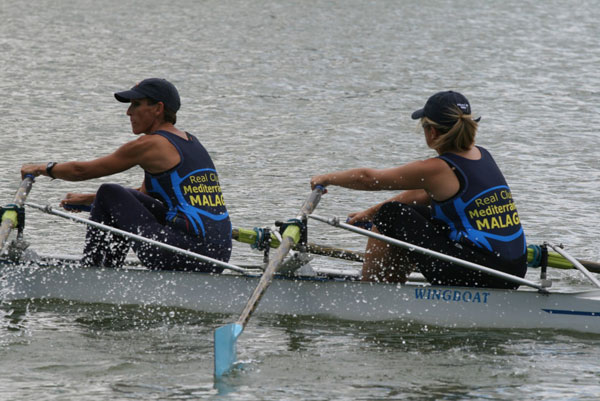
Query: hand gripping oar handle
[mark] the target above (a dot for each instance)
(411, 247)
(9, 217)
(226, 336)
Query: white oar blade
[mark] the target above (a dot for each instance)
(225, 347)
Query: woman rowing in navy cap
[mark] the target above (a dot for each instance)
(457, 203)
(179, 203)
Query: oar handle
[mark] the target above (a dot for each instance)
(311, 203)
(24, 190)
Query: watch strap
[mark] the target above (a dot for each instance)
(49, 168)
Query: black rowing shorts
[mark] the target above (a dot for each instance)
(414, 224)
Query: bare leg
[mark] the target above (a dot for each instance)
(385, 262)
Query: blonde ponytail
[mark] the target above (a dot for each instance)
(459, 137)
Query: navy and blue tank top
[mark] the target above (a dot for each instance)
(191, 191)
(483, 211)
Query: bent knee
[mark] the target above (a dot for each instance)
(109, 191)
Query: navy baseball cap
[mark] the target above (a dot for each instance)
(158, 89)
(440, 106)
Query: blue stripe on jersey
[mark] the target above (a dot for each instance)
(192, 190)
(483, 214)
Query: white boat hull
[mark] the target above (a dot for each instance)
(455, 307)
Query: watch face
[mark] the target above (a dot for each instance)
(49, 168)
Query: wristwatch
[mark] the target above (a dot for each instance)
(49, 168)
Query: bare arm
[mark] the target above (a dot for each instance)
(151, 152)
(432, 175)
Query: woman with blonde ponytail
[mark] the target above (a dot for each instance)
(457, 203)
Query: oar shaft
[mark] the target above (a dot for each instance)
(136, 237)
(577, 265)
(558, 261)
(334, 252)
(250, 236)
(226, 336)
(411, 247)
(290, 237)
(555, 260)
(9, 217)
(265, 280)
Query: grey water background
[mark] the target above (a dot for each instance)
(279, 91)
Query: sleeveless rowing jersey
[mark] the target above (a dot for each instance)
(483, 211)
(191, 191)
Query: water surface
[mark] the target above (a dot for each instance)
(279, 91)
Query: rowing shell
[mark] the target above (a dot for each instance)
(455, 307)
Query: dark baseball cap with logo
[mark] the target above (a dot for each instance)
(441, 106)
(158, 89)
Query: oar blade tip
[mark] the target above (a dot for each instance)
(225, 347)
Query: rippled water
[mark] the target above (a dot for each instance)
(279, 91)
